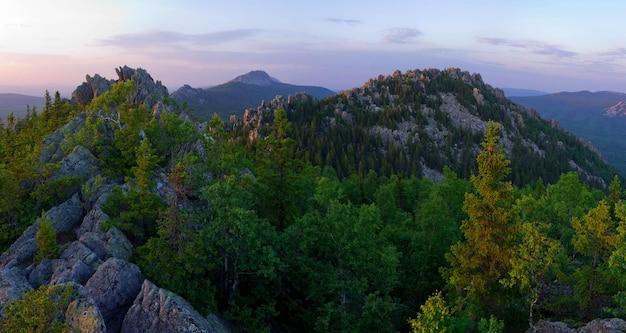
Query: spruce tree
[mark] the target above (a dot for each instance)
(45, 239)
(482, 257)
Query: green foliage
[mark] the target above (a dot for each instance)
(54, 192)
(40, 310)
(46, 240)
(491, 325)
(344, 265)
(434, 316)
(533, 264)
(23, 175)
(242, 250)
(133, 212)
(174, 258)
(89, 189)
(594, 239)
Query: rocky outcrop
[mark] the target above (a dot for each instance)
(93, 260)
(90, 89)
(612, 325)
(264, 113)
(617, 109)
(159, 310)
(147, 90)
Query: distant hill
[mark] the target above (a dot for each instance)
(244, 91)
(418, 122)
(597, 117)
(17, 103)
(514, 92)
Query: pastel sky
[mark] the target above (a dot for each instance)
(534, 44)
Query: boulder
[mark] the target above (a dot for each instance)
(119, 246)
(92, 221)
(12, 285)
(79, 163)
(66, 216)
(613, 325)
(70, 271)
(79, 251)
(96, 242)
(160, 310)
(545, 326)
(82, 315)
(41, 273)
(114, 287)
(21, 252)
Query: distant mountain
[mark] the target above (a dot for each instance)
(244, 91)
(514, 92)
(17, 103)
(597, 117)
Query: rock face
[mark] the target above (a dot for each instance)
(159, 310)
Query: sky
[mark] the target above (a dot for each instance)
(557, 45)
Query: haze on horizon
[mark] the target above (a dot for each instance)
(550, 46)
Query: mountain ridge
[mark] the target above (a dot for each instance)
(17, 104)
(242, 92)
(593, 116)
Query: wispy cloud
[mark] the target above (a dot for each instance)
(401, 35)
(342, 21)
(613, 53)
(531, 46)
(158, 38)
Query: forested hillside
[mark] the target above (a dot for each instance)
(414, 124)
(594, 116)
(418, 202)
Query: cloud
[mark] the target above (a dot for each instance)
(614, 53)
(401, 35)
(531, 46)
(158, 38)
(342, 21)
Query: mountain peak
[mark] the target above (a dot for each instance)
(257, 78)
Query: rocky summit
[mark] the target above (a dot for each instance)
(110, 293)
